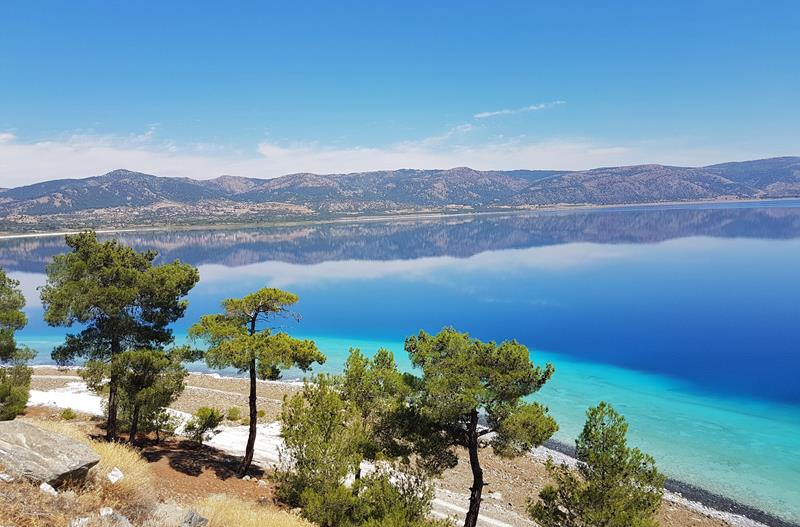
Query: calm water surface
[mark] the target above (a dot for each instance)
(686, 319)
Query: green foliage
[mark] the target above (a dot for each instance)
(328, 430)
(463, 376)
(68, 414)
(117, 293)
(11, 317)
(233, 414)
(122, 301)
(261, 414)
(613, 485)
(15, 376)
(464, 379)
(321, 434)
(385, 499)
(205, 420)
(378, 392)
(15, 382)
(149, 380)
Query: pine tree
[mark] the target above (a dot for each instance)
(464, 379)
(120, 298)
(239, 338)
(613, 485)
(15, 375)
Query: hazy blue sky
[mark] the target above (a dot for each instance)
(261, 89)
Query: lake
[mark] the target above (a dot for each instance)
(686, 319)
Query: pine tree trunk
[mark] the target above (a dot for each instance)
(134, 424)
(251, 437)
(477, 472)
(111, 421)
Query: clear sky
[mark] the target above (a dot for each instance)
(266, 88)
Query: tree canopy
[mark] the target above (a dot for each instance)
(122, 300)
(465, 381)
(378, 391)
(612, 486)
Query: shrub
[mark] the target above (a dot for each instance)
(260, 414)
(321, 439)
(233, 414)
(15, 382)
(205, 420)
(68, 414)
(323, 434)
(388, 498)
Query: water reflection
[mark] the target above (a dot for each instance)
(408, 239)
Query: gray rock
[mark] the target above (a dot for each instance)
(192, 519)
(172, 515)
(39, 455)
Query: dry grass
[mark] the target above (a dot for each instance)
(225, 511)
(22, 504)
(73, 430)
(134, 494)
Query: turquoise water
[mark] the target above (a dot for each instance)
(687, 319)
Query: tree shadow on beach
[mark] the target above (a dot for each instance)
(192, 459)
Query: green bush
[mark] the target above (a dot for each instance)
(15, 382)
(261, 414)
(233, 414)
(205, 420)
(68, 414)
(385, 499)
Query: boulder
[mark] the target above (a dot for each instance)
(192, 519)
(39, 455)
(172, 515)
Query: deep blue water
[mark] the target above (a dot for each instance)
(687, 319)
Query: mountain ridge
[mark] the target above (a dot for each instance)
(151, 197)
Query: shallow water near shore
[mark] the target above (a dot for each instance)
(686, 319)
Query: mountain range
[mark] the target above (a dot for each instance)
(125, 197)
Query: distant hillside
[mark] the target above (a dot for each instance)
(126, 197)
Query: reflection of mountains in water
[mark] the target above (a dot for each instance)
(415, 238)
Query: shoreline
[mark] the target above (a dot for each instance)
(677, 492)
(411, 216)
